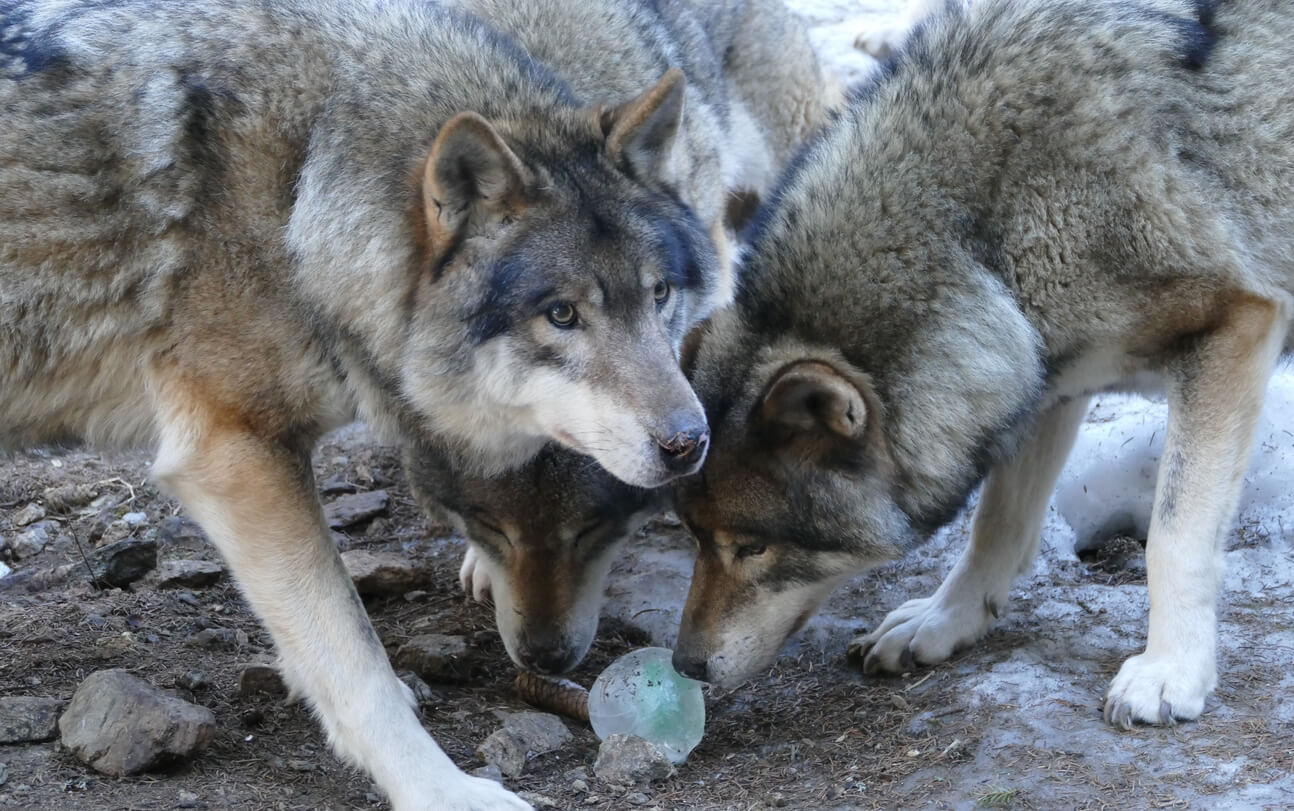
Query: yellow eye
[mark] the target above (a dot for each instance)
(563, 315)
(751, 550)
(661, 292)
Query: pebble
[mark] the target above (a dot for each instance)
(123, 562)
(218, 638)
(187, 799)
(121, 725)
(354, 508)
(386, 573)
(4, 774)
(537, 800)
(29, 719)
(193, 680)
(31, 541)
(422, 693)
(176, 529)
(437, 657)
(523, 735)
(637, 798)
(631, 759)
(490, 772)
(188, 573)
(29, 514)
(135, 519)
(579, 786)
(260, 678)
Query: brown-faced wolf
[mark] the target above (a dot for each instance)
(227, 226)
(1038, 202)
(542, 538)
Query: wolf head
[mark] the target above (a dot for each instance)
(563, 263)
(545, 536)
(797, 495)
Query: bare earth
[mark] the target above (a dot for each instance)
(1013, 722)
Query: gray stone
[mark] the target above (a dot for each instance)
(135, 519)
(218, 638)
(489, 772)
(437, 657)
(628, 759)
(28, 719)
(121, 725)
(385, 573)
(174, 574)
(348, 510)
(178, 530)
(123, 562)
(112, 532)
(260, 678)
(4, 774)
(187, 799)
(29, 514)
(422, 693)
(193, 680)
(32, 541)
(538, 800)
(523, 735)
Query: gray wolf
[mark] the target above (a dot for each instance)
(228, 226)
(1039, 201)
(542, 537)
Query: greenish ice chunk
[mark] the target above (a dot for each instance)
(641, 694)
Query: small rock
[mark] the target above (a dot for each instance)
(29, 719)
(348, 510)
(110, 647)
(437, 657)
(178, 530)
(579, 786)
(187, 799)
(29, 514)
(377, 528)
(537, 800)
(31, 541)
(123, 562)
(260, 678)
(385, 573)
(121, 725)
(631, 759)
(193, 680)
(4, 774)
(67, 497)
(415, 595)
(337, 484)
(135, 519)
(174, 574)
(112, 532)
(300, 765)
(523, 735)
(422, 693)
(490, 772)
(637, 798)
(218, 638)
(188, 598)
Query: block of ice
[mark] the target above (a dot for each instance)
(641, 694)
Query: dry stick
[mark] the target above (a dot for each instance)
(561, 695)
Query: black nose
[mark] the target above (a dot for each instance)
(689, 666)
(550, 660)
(684, 450)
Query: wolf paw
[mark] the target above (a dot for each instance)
(469, 794)
(919, 632)
(473, 577)
(1162, 690)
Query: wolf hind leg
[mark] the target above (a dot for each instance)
(1004, 540)
(255, 499)
(1215, 395)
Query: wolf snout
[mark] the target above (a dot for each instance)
(683, 451)
(694, 667)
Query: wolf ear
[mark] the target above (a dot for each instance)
(811, 397)
(641, 132)
(470, 172)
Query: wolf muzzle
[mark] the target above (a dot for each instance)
(684, 450)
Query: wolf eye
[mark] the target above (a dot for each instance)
(562, 315)
(661, 292)
(751, 550)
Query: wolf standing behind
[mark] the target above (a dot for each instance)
(229, 226)
(1040, 201)
(543, 537)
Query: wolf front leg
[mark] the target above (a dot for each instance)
(1215, 395)
(256, 500)
(1004, 541)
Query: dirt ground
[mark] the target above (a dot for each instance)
(1013, 722)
